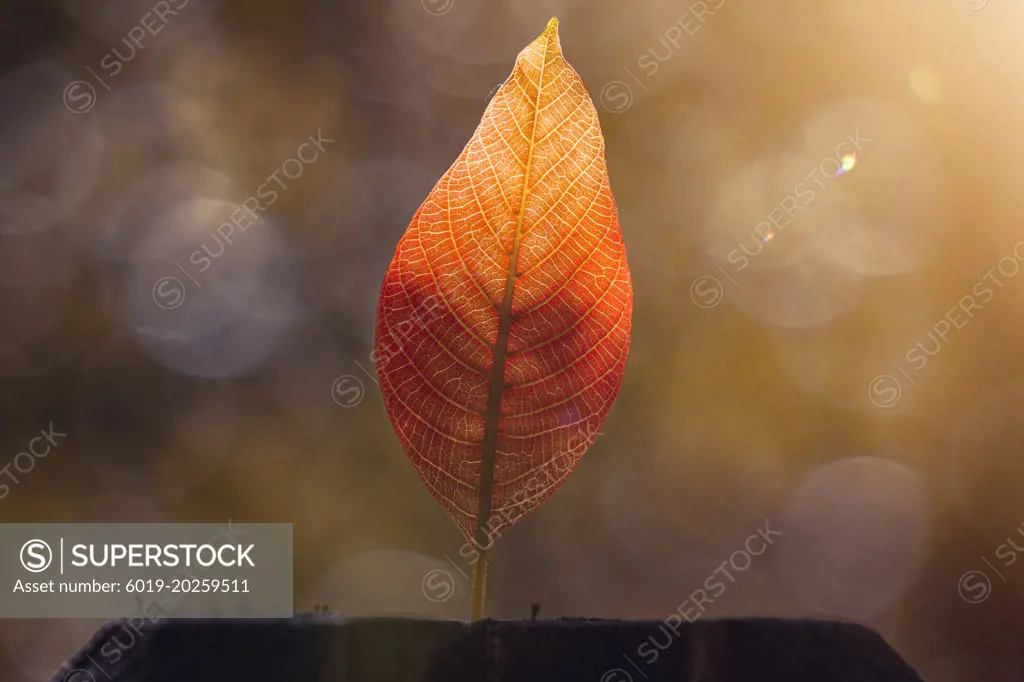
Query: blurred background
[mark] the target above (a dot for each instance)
(818, 203)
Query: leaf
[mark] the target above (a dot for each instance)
(504, 318)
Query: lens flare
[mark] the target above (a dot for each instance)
(846, 163)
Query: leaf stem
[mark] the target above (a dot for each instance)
(479, 587)
(484, 536)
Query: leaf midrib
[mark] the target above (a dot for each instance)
(496, 385)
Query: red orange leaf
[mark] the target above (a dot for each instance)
(504, 318)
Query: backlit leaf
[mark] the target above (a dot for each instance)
(504, 318)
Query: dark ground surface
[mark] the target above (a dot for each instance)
(402, 650)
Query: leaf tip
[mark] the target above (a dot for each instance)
(550, 37)
(551, 30)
